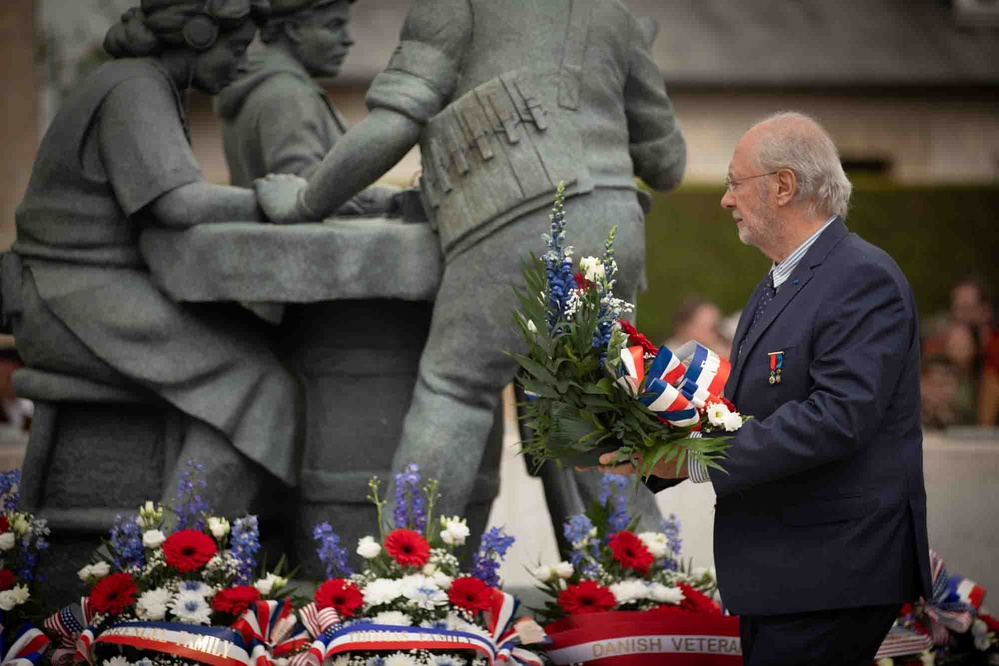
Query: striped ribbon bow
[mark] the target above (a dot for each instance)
(67, 625)
(676, 384)
(269, 629)
(320, 623)
(28, 646)
(955, 604)
(509, 637)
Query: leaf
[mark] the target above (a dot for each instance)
(535, 368)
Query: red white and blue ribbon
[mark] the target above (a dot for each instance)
(497, 645)
(269, 629)
(28, 646)
(676, 384)
(321, 623)
(214, 646)
(67, 627)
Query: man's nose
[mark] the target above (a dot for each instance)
(728, 199)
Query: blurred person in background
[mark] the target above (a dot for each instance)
(938, 389)
(988, 387)
(697, 318)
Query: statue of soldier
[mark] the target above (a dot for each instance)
(117, 158)
(277, 117)
(506, 99)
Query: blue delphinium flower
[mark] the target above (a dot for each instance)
(610, 309)
(410, 509)
(189, 505)
(558, 263)
(126, 541)
(613, 497)
(331, 553)
(9, 489)
(492, 551)
(244, 544)
(580, 532)
(671, 528)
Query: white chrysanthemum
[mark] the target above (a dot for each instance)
(593, 269)
(195, 587)
(665, 594)
(94, 572)
(191, 608)
(152, 605)
(7, 600)
(423, 592)
(629, 591)
(442, 580)
(703, 573)
(116, 661)
(382, 591)
(400, 659)
(368, 548)
(21, 594)
(394, 618)
(564, 570)
(656, 542)
(342, 660)
(7, 540)
(717, 412)
(733, 421)
(454, 531)
(153, 538)
(219, 527)
(270, 583)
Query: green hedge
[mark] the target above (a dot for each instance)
(936, 235)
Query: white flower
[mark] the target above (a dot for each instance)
(116, 661)
(544, 573)
(271, 583)
(94, 572)
(396, 618)
(733, 421)
(382, 591)
(454, 531)
(926, 658)
(664, 594)
(629, 591)
(7, 600)
(219, 527)
(342, 660)
(21, 594)
(442, 580)
(564, 570)
(150, 515)
(152, 605)
(6, 541)
(422, 592)
(717, 412)
(20, 525)
(195, 587)
(153, 538)
(368, 548)
(191, 608)
(531, 326)
(400, 659)
(980, 631)
(884, 661)
(656, 542)
(593, 268)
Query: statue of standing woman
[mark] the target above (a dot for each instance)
(117, 158)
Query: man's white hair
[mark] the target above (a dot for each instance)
(796, 141)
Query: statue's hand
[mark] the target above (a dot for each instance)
(278, 196)
(408, 205)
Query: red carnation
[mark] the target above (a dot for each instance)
(235, 600)
(630, 552)
(409, 548)
(698, 602)
(728, 403)
(7, 579)
(470, 594)
(189, 550)
(636, 338)
(587, 597)
(112, 594)
(342, 596)
(4, 525)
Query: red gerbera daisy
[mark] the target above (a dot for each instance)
(112, 594)
(630, 552)
(235, 600)
(342, 596)
(7, 579)
(698, 602)
(470, 594)
(587, 597)
(4, 524)
(636, 338)
(188, 550)
(409, 548)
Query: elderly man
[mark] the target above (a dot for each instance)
(820, 524)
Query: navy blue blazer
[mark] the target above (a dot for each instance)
(822, 503)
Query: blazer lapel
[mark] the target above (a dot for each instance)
(795, 283)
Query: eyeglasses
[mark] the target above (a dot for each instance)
(730, 183)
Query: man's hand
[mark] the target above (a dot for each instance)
(278, 196)
(664, 470)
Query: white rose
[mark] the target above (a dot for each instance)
(153, 538)
(219, 527)
(716, 414)
(656, 542)
(628, 591)
(6, 541)
(93, 572)
(7, 600)
(544, 573)
(368, 548)
(593, 268)
(666, 595)
(270, 583)
(733, 421)
(564, 570)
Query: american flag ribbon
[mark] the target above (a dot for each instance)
(28, 647)
(67, 625)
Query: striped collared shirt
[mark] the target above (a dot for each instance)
(781, 272)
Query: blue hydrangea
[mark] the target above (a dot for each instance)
(190, 507)
(492, 551)
(331, 553)
(244, 544)
(410, 509)
(612, 496)
(126, 543)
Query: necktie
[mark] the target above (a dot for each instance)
(768, 295)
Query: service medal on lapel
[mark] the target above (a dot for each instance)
(776, 364)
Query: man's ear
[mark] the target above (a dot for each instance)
(293, 31)
(787, 186)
